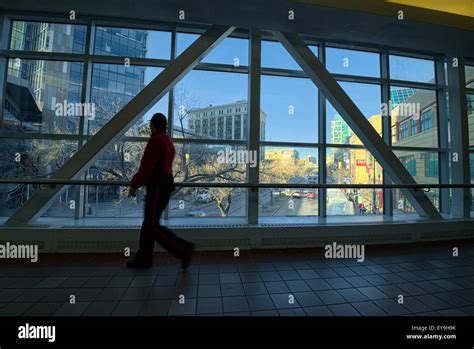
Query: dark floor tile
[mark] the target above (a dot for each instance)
(209, 279)
(68, 309)
(292, 312)
(74, 282)
(136, 294)
(159, 307)
(357, 281)
(318, 284)
(120, 281)
(330, 297)
(352, 295)
(110, 294)
(327, 273)
(428, 286)
(50, 282)
(307, 299)
(209, 291)
(165, 280)
(433, 302)
(289, 275)
(127, 308)
(209, 305)
(410, 289)
(372, 293)
(143, 281)
(284, 300)
(265, 313)
(59, 295)
(229, 278)
(43, 309)
(235, 304)
(100, 309)
(318, 311)
(163, 292)
(25, 282)
(392, 291)
(32, 295)
(413, 305)
(186, 308)
(254, 288)
(368, 309)
(260, 302)
(250, 277)
(376, 280)
(97, 281)
(268, 276)
(343, 310)
(338, 283)
(453, 312)
(392, 307)
(15, 309)
(298, 286)
(277, 287)
(229, 290)
(308, 274)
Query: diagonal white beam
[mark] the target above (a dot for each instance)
(357, 121)
(122, 121)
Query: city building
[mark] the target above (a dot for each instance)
(225, 121)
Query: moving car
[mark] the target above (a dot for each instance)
(311, 195)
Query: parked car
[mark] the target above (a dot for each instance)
(296, 195)
(203, 197)
(311, 195)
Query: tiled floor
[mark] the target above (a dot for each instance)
(292, 282)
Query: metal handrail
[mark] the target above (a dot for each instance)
(54, 182)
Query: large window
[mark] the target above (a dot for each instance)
(59, 104)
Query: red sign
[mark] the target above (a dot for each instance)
(360, 162)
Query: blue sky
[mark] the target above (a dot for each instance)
(290, 103)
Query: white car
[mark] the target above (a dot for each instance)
(198, 214)
(204, 197)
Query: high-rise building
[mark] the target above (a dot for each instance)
(340, 130)
(224, 121)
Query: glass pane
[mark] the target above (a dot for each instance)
(113, 86)
(351, 201)
(470, 118)
(183, 41)
(402, 206)
(199, 204)
(212, 163)
(48, 37)
(125, 42)
(288, 104)
(352, 166)
(367, 97)
(274, 55)
(288, 165)
(342, 61)
(43, 97)
(414, 117)
(412, 69)
(423, 166)
(469, 76)
(29, 158)
(230, 51)
(211, 105)
(283, 202)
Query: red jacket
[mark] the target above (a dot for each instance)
(157, 160)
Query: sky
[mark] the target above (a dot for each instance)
(290, 104)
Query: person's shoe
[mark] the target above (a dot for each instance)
(187, 258)
(138, 264)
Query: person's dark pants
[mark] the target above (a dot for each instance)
(156, 199)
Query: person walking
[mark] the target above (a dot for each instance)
(156, 173)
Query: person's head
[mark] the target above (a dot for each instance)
(158, 122)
